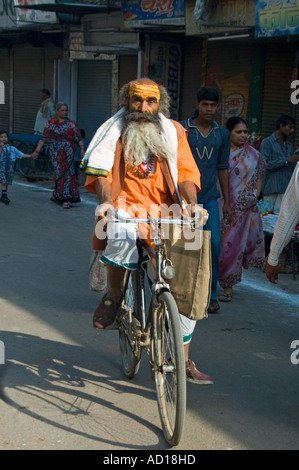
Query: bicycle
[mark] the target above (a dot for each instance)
(155, 329)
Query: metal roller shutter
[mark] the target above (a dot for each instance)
(277, 82)
(28, 81)
(94, 101)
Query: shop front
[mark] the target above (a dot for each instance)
(251, 66)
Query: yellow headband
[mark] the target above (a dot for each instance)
(145, 91)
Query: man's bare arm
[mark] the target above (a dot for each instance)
(103, 190)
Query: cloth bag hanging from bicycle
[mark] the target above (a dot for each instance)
(190, 253)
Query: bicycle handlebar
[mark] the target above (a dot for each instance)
(184, 220)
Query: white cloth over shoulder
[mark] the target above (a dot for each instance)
(100, 152)
(287, 220)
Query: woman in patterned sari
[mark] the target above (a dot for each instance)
(61, 135)
(242, 240)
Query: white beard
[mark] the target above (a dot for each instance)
(143, 138)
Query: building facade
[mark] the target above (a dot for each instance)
(247, 49)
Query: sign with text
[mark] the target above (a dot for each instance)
(165, 69)
(224, 16)
(152, 12)
(25, 16)
(276, 18)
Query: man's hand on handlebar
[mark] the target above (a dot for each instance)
(102, 210)
(197, 212)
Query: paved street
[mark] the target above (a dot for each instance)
(62, 386)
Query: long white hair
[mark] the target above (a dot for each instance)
(142, 135)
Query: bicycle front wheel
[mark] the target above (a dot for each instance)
(169, 367)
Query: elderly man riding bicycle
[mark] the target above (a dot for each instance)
(139, 157)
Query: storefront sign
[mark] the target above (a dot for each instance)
(276, 18)
(234, 105)
(220, 17)
(7, 14)
(151, 12)
(165, 68)
(27, 17)
(234, 93)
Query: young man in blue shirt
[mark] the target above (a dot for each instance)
(210, 145)
(281, 161)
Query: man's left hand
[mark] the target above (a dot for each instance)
(272, 273)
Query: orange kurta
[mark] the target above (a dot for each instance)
(140, 196)
(154, 190)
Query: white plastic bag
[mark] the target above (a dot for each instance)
(97, 273)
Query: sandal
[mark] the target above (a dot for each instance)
(195, 376)
(66, 205)
(226, 297)
(213, 307)
(105, 314)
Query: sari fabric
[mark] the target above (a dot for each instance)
(61, 139)
(242, 240)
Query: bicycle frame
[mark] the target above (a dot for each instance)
(159, 252)
(161, 261)
(157, 330)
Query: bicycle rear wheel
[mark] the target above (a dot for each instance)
(129, 327)
(169, 367)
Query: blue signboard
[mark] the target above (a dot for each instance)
(276, 18)
(151, 12)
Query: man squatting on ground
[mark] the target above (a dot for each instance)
(139, 157)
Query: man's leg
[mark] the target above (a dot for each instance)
(4, 197)
(120, 254)
(192, 374)
(105, 313)
(115, 282)
(213, 224)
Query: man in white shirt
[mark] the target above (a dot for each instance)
(287, 221)
(47, 111)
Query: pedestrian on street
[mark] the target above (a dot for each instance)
(278, 152)
(8, 156)
(210, 146)
(61, 135)
(242, 239)
(47, 111)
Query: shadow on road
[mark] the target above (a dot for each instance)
(41, 381)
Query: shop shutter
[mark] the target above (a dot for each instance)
(229, 69)
(277, 82)
(4, 77)
(28, 81)
(94, 100)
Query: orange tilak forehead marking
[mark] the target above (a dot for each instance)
(145, 91)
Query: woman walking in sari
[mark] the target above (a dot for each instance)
(61, 135)
(242, 240)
